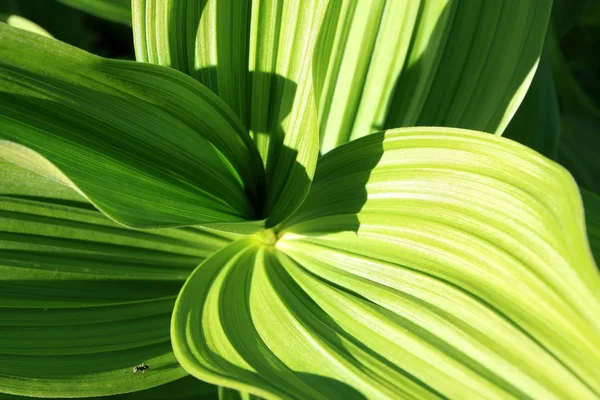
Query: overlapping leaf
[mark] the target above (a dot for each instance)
(377, 64)
(424, 263)
(147, 145)
(83, 300)
(257, 56)
(387, 64)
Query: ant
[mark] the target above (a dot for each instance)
(140, 368)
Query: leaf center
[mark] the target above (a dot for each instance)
(267, 237)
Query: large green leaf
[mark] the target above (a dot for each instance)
(592, 221)
(147, 145)
(112, 10)
(425, 263)
(580, 150)
(83, 300)
(537, 122)
(257, 56)
(386, 64)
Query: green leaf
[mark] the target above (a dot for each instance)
(257, 56)
(25, 24)
(580, 150)
(83, 300)
(592, 221)
(219, 323)
(425, 263)
(536, 123)
(147, 145)
(112, 10)
(407, 63)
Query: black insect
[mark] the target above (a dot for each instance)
(140, 368)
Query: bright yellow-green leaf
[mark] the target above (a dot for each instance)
(425, 263)
(386, 64)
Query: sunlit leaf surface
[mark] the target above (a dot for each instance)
(424, 263)
(387, 64)
(258, 57)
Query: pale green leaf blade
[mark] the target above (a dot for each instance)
(23, 23)
(196, 336)
(591, 204)
(207, 40)
(481, 215)
(579, 150)
(536, 123)
(147, 145)
(231, 326)
(283, 118)
(112, 10)
(387, 64)
(257, 56)
(425, 263)
(83, 300)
